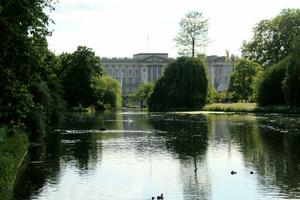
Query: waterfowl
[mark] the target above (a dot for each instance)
(251, 172)
(233, 172)
(102, 129)
(161, 197)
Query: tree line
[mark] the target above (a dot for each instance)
(268, 72)
(37, 86)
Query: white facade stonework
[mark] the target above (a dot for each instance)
(149, 67)
(131, 72)
(219, 72)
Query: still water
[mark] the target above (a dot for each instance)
(185, 156)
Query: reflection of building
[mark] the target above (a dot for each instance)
(219, 71)
(149, 67)
(142, 68)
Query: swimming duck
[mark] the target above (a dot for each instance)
(233, 172)
(161, 197)
(251, 172)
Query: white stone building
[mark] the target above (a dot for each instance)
(131, 72)
(219, 72)
(149, 67)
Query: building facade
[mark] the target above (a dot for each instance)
(149, 67)
(131, 72)
(219, 72)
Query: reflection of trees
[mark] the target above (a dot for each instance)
(274, 155)
(81, 151)
(186, 136)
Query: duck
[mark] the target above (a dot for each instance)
(251, 172)
(233, 172)
(161, 197)
(102, 129)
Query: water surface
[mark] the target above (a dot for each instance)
(185, 156)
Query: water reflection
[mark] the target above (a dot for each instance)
(186, 136)
(184, 156)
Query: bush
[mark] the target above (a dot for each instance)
(269, 88)
(183, 86)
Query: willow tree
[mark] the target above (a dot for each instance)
(183, 86)
(192, 33)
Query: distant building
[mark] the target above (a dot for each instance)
(131, 72)
(219, 72)
(149, 67)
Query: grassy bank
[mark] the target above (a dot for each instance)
(249, 107)
(12, 151)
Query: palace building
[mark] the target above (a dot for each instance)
(149, 67)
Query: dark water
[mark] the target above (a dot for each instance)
(184, 156)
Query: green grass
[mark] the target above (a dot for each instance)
(12, 151)
(249, 107)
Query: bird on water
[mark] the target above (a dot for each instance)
(161, 197)
(233, 172)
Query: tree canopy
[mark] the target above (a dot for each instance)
(27, 68)
(242, 81)
(273, 38)
(182, 87)
(78, 71)
(192, 33)
(142, 93)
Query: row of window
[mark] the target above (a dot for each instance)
(120, 66)
(117, 72)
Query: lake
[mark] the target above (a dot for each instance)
(185, 156)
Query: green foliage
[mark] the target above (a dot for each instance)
(292, 78)
(183, 86)
(142, 93)
(273, 39)
(192, 33)
(231, 107)
(79, 68)
(106, 93)
(243, 79)
(269, 87)
(28, 81)
(12, 150)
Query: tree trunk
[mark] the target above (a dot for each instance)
(193, 47)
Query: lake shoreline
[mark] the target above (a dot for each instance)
(13, 150)
(249, 108)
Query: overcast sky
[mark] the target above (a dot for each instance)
(121, 28)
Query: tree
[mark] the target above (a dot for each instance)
(78, 70)
(182, 87)
(142, 93)
(192, 33)
(269, 87)
(291, 81)
(23, 55)
(242, 81)
(107, 93)
(279, 84)
(273, 39)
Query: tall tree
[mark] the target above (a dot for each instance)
(192, 33)
(23, 51)
(273, 39)
(79, 69)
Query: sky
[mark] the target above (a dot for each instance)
(121, 28)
